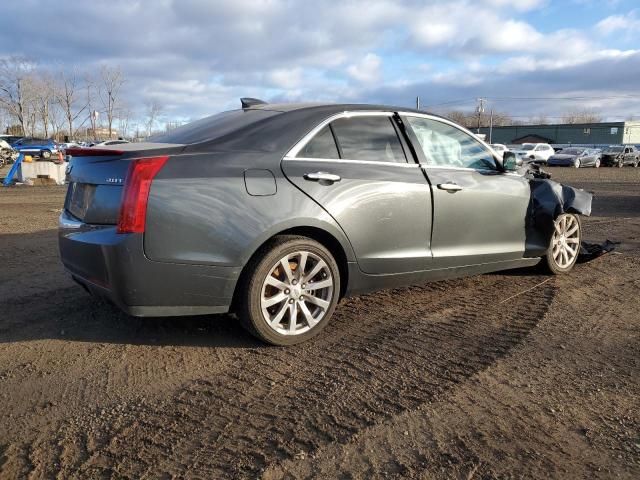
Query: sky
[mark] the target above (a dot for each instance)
(198, 57)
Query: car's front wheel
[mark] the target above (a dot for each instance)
(597, 164)
(290, 291)
(576, 163)
(564, 246)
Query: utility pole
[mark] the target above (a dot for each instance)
(491, 126)
(417, 103)
(480, 110)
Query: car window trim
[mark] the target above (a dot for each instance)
(349, 161)
(462, 129)
(295, 150)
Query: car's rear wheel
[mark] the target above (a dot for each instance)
(597, 164)
(620, 163)
(564, 246)
(290, 291)
(576, 163)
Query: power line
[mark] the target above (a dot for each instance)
(501, 99)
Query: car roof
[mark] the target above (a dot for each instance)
(332, 108)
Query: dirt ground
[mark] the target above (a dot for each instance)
(509, 375)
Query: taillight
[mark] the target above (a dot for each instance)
(133, 211)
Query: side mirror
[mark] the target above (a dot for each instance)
(509, 162)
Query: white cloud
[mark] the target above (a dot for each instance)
(199, 56)
(367, 70)
(616, 24)
(286, 78)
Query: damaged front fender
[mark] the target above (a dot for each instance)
(550, 199)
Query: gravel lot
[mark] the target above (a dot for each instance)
(505, 375)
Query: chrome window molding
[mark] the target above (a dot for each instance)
(357, 162)
(346, 114)
(427, 166)
(291, 154)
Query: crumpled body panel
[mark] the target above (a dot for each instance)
(550, 199)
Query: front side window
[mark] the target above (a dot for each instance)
(368, 138)
(447, 146)
(323, 145)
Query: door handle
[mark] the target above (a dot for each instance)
(450, 187)
(322, 177)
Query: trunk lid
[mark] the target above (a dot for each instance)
(97, 175)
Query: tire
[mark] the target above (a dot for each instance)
(576, 163)
(555, 261)
(267, 280)
(635, 164)
(597, 164)
(45, 154)
(620, 163)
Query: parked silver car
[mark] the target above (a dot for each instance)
(576, 157)
(275, 212)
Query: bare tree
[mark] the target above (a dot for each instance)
(68, 96)
(581, 116)
(124, 115)
(470, 120)
(110, 86)
(90, 97)
(15, 78)
(43, 96)
(153, 111)
(460, 118)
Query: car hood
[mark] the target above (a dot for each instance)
(564, 156)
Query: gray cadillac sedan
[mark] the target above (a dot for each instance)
(275, 212)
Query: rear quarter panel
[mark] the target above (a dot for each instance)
(200, 211)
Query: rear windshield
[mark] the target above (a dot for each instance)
(213, 127)
(573, 151)
(528, 147)
(613, 149)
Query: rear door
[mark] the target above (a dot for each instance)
(359, 170)
(479, 211)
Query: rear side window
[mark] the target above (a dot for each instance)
(368, 138)
(323, 145)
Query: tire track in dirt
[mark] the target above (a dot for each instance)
(383, 354)
(473, 428)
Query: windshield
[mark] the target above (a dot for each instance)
(528, 146)
(613, 149)
(572, 151)
(213, 127)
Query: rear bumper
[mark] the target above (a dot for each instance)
(114, 266)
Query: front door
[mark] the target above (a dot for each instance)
(479, 210)
(356, 168)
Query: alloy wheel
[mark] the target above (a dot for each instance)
(297, 293)
(566, 241)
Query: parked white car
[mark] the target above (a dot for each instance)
(535, 152)
(110, 142)
(499, 148)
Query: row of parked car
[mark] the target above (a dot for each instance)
(12, 145)
(546, 155)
